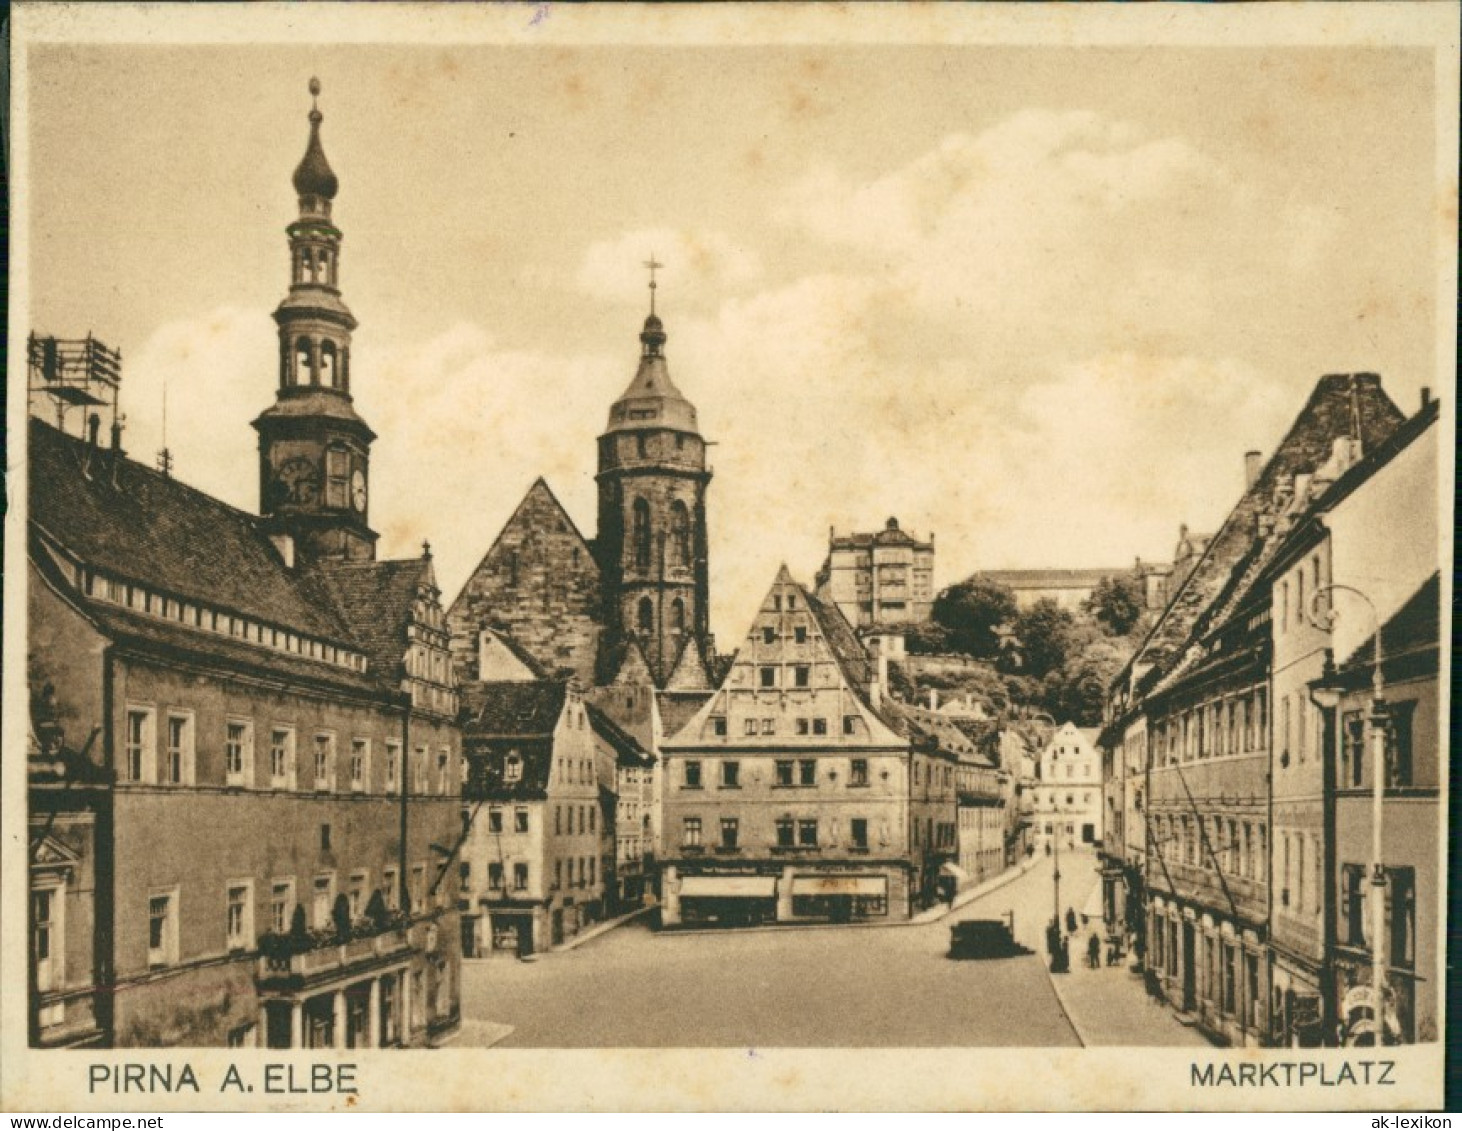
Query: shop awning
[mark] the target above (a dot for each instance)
(840, 885)
(951, 869)
(729, 887)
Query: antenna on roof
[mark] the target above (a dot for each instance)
(164, 455)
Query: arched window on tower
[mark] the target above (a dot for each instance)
(327, 365)
(677, 617)
(286, 371)
(680, 532)
(642, 533)
(345, 369)
(304, 362)
(326, 274)
(337, 476)
(646, 616)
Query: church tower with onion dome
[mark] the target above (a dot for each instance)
(314, 448)
(651, 544)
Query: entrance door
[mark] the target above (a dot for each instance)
(557, 928)
(276, 1025)
(1189, 994)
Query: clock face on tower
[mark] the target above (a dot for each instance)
(297, 481)
(358, 490)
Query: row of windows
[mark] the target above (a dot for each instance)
(1355, 748)
(1045, 798)
(1298, 612)
(194, 615)
(1356, 893)
(801, 726)
(178, 762)
(1238, 846)
(1049, 772)
(573, 872)
(326, 905)
(791, 832)
(769, 634)
(1230, 725)
(789, 772)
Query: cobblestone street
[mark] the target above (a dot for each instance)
(791, 987)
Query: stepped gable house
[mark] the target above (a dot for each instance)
(247, 754)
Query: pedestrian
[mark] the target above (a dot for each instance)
(1114, 952)
(1094, 952)
(1071, 921)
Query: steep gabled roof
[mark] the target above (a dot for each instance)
(1415, 625)
(689, 671)
(1340, 406)
(513, 709)
(538, 493)
(377, 601)
(846, 648)
(136, 524)
(628, 750)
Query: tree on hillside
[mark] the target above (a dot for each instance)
(927, 638)
(970, 612)
(1116, 604)
(1047, 635)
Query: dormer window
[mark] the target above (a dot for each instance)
(513, 767)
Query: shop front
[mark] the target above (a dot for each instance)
(840, 898)
(728, 901)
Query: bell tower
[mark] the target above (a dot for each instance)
(314, 449)
(652, 545)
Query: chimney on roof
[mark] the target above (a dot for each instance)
(1426, 396)
(1253, 464)
(933, 699)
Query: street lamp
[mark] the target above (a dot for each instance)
(1330, 697)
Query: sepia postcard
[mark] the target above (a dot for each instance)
(694, 557)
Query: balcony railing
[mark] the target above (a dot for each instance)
(303, 958)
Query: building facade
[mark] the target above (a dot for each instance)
(535, 869)
(247, 729)
(788, 794)
(881, 578)
(1066, 803)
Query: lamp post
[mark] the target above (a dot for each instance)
(1376, 722)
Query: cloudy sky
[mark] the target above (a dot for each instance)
(1036, 300)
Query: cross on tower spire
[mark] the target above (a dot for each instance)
(653, 266)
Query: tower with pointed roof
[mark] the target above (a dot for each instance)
(652, 546)
(314, 448)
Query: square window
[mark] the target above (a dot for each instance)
(520, 876)
(784, 773)
(850, 724)
(139, 753)
(494, 820)
(769, 726)
(691, 834)
(768, 635)
(520, 820)
(800, 634)
(495, 877)
(859, 772)
(750, 726)
(767, 676)
(730, 831)
(784, 832)
(718, 725)
(807, 834)
(162, 928)
(803, 726)
(802, 675)
(807, 772)
(692, 775)
(819, 726)
(730, 775)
